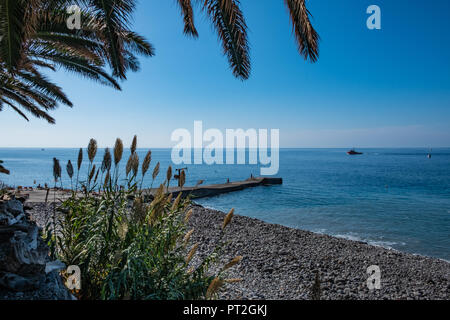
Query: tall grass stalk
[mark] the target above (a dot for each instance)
(79, 163)
(129, 249)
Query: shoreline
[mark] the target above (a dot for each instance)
(281, 262)
(331, 235)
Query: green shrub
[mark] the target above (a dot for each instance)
(127, 248)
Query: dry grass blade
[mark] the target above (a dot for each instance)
(182, 178)
(135, 164)
(107, 161)
(56, 169)
(307, 38)
(96, 176)
(159, 193)
(80, 159)
(156, 171)
(140, 210)
(134, 145)
(214, 287)
(129, 165)
(69, 169)
(188, 216)
(92, 149)
(234, 280)
(176, 203)
(146, 163)
(91, 174)
(227, 219)
(107, 180)
(192, 253)
(232, 263)
(169, 198)
(118, 151)
(188, 236)
(169, 174)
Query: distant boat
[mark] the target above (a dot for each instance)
(353, 152)
(429, 156)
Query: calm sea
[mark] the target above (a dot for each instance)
(395, 198)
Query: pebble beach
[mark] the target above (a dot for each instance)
(282, 263)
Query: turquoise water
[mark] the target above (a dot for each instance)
(394, 198)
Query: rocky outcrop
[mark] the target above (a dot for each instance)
(26, 271)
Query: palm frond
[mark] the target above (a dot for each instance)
(78, 65)
(15, 108)
(307, 38)
(188, 17)
(137, 44)
(51, 90)
(12, 29)
(231, 28)
(25, 102)
(114, 16)
(34, 35)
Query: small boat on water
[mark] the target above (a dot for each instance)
(353, 152)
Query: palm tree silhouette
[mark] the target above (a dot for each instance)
(34, 36)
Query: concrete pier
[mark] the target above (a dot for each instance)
(217, 189)
(195, 192)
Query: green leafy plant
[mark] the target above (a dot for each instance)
(127, 248)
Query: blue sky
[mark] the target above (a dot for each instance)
(370, 88)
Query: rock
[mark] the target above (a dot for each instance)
(54, 266)
(22, 199)
(26, 250)
(17, 283)
(15, 207)
(268, 270)
(26, 271)
(5, 218)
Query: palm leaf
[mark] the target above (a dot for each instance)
(307, 38)
(49, 89)
(188, 18)
(77, 65)
(114, 16)
(231, 28)
(25, 103)
(15, 108)
(3, 169)
(12, 26)
(34, 35)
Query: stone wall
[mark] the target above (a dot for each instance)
(26, 271)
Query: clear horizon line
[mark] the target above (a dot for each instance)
(281, 148)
